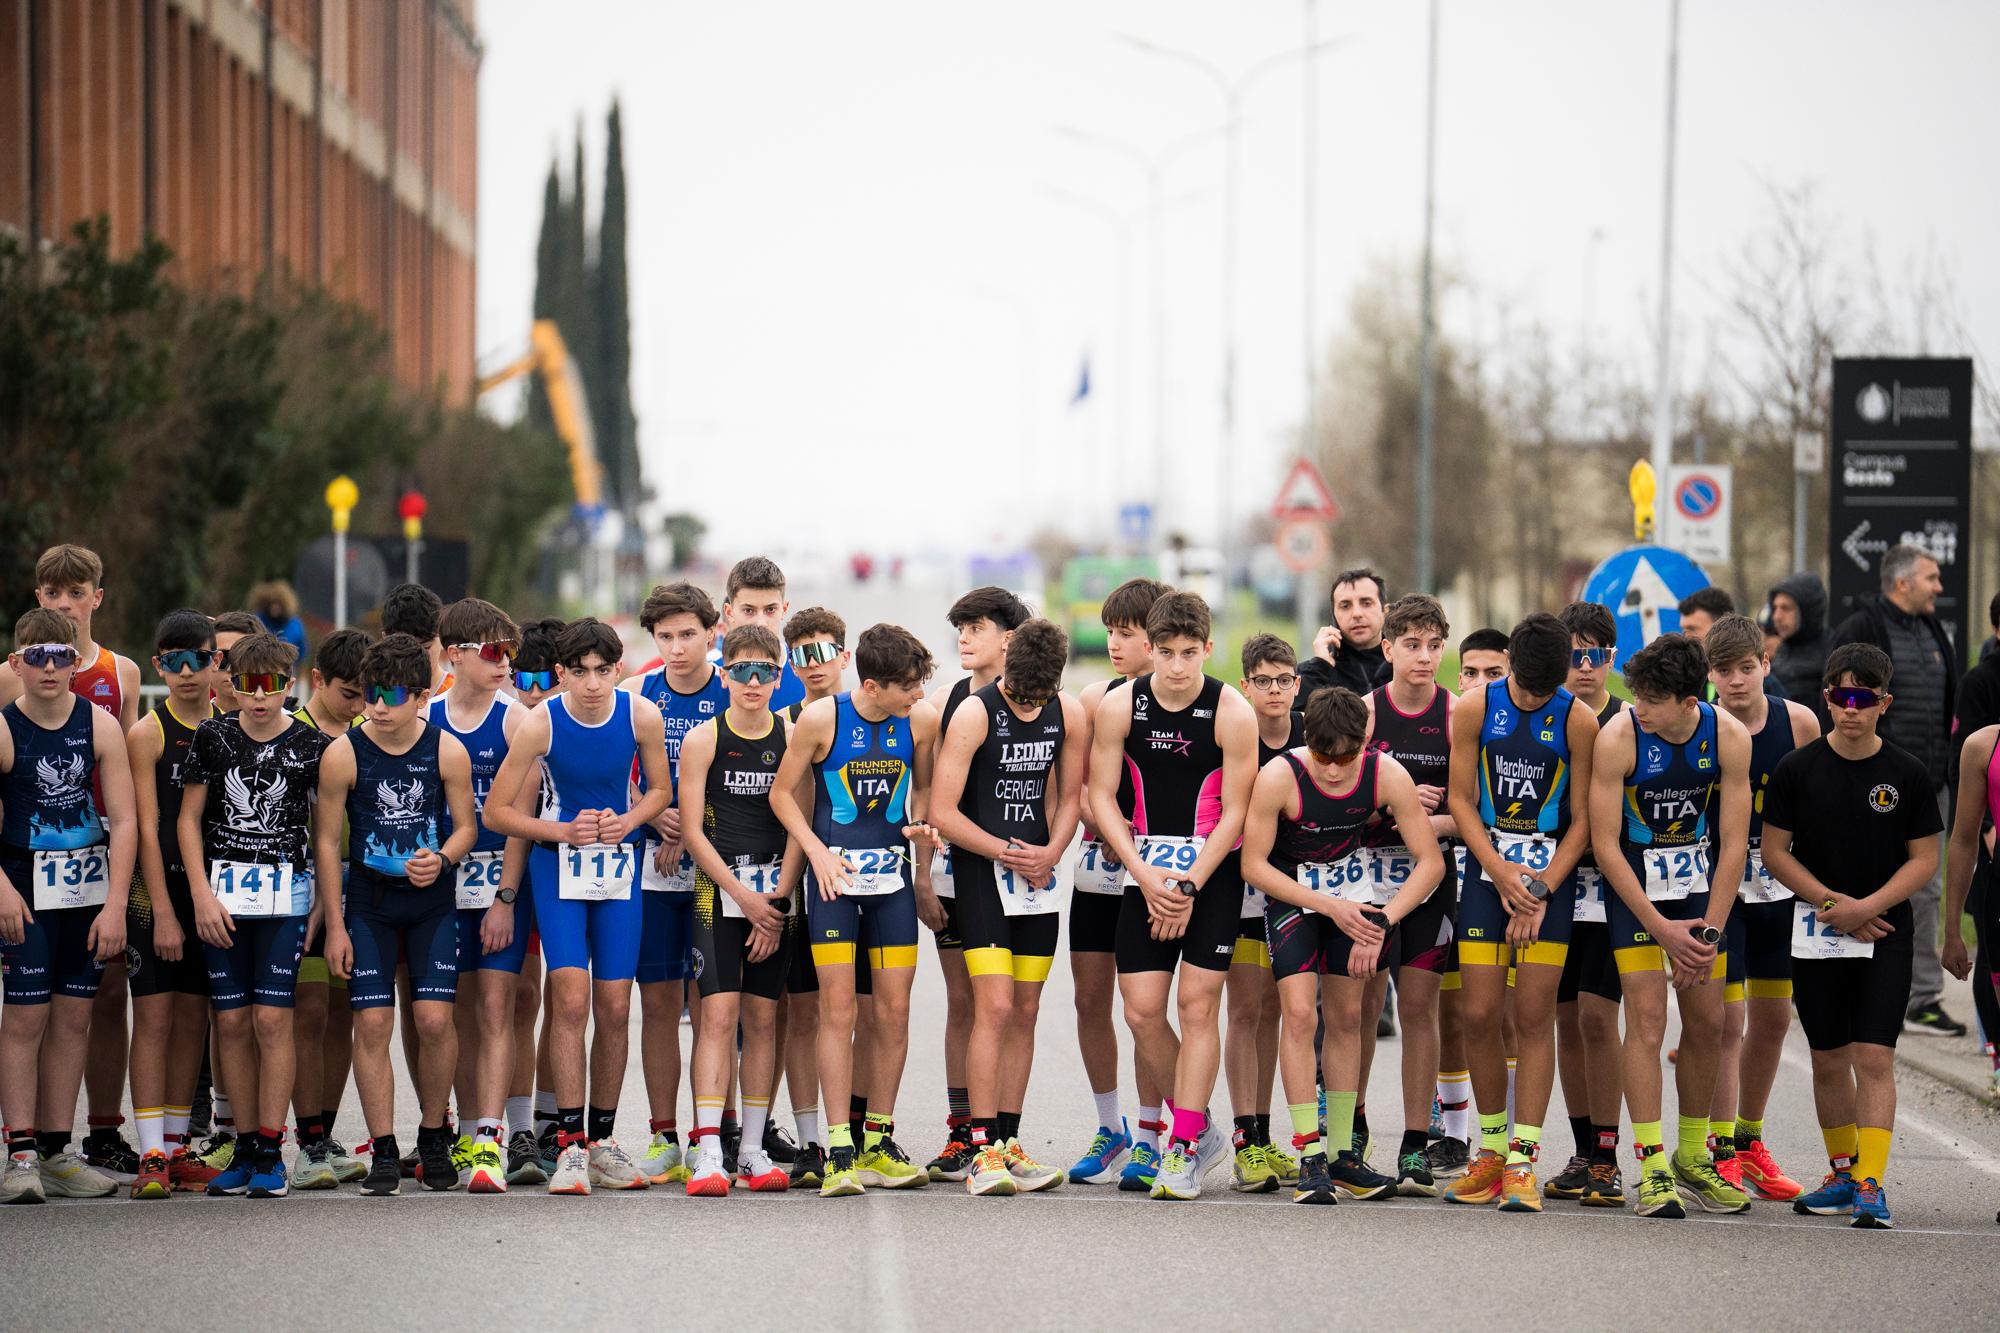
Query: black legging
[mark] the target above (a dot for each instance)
(1983, 903)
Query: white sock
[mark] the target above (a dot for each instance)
(176, 1124)
(152, 1126)
(1151, 1115)
(1510, 1097)
(807, 1119)
(756, 1110)
(1457, 1088)
(1107, 1109)
(520, 1114)
(708, 1115)
(222, 1108)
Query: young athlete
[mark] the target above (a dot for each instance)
(1333, 921)
(1190, 747)
(1250, 1041)
(480, 642)
(1851, 830)
(170, 983)
(1759, 934)
(985, 619)
(743, 937)
(1520, 771)
(399, 777)
(1409, 719)
(65, 869)
(1662, 770)
(413, 609)
(322, 1019)
(868, 755)
(231, 628)
(585, 877)
(1588, 1046)
(816, 641)
(1115, 1154)
(688, 690)
(754, 594)
(244, 833)
(1009, 792)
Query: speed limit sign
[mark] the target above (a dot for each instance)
(1303, 544)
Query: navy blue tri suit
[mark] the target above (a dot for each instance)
(485, 744)
(1758, 933)
(1664, 835)
(395, 808)
(1523, 788)
(666, 932)
(47, 794)
(860, 804)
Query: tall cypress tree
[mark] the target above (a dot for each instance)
(547, 280)
(617, 439)
(576, 312)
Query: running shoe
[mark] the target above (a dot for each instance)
(1519, 1193)
(840, 1179)
(779, 1145)
(545, 1144)
(1763, 1175)
(1930, 1020)
(434, 1163)
(989, 1174)
(1385, 1025)
(153, 1180)
(706, 1178)
(572, 1173)
(347, 1168)
(313, 1168)
(1871, 1207)
(1360, 1145)
(1179, 1176)
(1106, 1156)
(1252, 1173)
(1282, 1162)
(1568, 1183)
(1315, 1185)
(188, 1172)
(1360, 1180)
(1140, 1169)
(757, 1172)
(411, 1164)
(1657, 1195)
(1481, 1181)
(219, 1151)
(732, 1145)
(889, 1167)
(611, 1169)
(110, 1155)
(384, 1178)
(1211, 1149)
(953, 1162)
(1701, 1182)
(68, 1176)
(1032, 1175)
(1730, 1168)
(1448, 1157)
(663, 1162)
(524, 1160)
(233, 1179)
(1605, 1187)
(1413, 1176)
(488, 1172)
(809, 1166)
(1437, 1129)
(267, 1176)
(1833, 1198)
(21, 1180)
(461, 1157)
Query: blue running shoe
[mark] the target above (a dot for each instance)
(268, 1181)
(1833, 1198)
(234, 1178)
(1108, 1154)
(1871, 1207)
(1140, 1170)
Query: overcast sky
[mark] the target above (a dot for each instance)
(857, 296)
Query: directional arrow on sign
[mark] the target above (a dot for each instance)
(1858, 550)
(1647, 595)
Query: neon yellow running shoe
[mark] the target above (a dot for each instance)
(841, 1178)
(888, 1167)
(1251, 1172)
(1282, 1162)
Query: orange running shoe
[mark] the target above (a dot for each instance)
(1730, 1168)
(189, 1173)
(757, 1172)
(155, 1178)
(1519, 1191)
(1761, 1174)
(1481, 1182)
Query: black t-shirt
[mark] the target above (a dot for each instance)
(259, 795)
(1851, 820)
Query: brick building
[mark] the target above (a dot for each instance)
(335, 140)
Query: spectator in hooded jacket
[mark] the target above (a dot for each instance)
(1798, 613)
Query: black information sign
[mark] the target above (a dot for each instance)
(1900, 470)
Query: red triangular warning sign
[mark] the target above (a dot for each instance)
(1305, 495)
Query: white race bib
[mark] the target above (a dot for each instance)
(596, 873)
(1020, 898)
(1098, 870)
(1390, 869)
(1590, 887)
(1349, 878)
(1757, 885)
(680, 881)
(1458, 856)
(942, 883)
(761, 878)
(1674, 874)
(1812, 938)
(478, 880)
(72, 877)
(1533, 851)
(1170, 856)
(878, 871)
(1254, 902)
(247, 888)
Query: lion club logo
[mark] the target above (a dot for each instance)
(695, 962)
(1882, 798)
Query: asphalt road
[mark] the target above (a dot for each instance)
(1083, 1257)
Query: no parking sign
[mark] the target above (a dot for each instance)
(1698, 510)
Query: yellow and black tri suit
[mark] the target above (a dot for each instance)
(1523, 778)
(860, 806)
(1664, 835)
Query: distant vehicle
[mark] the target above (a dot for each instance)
(1196, 569)
(1086, 581)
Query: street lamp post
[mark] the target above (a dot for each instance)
(341, 497)
(1426, 352)
(1663, 400)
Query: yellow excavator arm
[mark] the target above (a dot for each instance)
(550, 358)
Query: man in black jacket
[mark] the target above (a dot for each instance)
(1903, 623)
(1798, 613)
(1349, 652)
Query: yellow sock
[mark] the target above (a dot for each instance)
(1722, 1133)
(1527, 1140)
(1693, 1145)
(1873, 1157)
(1646, 1137)
(1843, 1144)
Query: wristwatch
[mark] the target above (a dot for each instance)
(1707, 934)
(1184, 887)
(449, 864)
(505, 894)
(1539, 891)
(1375, 917)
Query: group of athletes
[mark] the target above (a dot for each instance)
(495, 830)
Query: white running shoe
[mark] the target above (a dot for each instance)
(611, 1169)
(706, 1178)
(21, 1180)
(572, 1173)
(663, 1162)
(69, 1176)
(1210, 1150)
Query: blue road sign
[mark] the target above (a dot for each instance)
(1135, 523)
(1643, 586)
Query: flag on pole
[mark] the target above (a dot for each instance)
(1082, 381)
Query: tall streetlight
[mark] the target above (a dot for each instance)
(1426, 352)
(1232, 89)
(1663, 400)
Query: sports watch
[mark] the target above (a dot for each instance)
(1539, 890)
(1184, 887)
(1707, 934)
(505, 895)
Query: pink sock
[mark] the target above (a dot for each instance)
(1188, 1125)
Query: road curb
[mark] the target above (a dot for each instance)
(1947, 1068)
